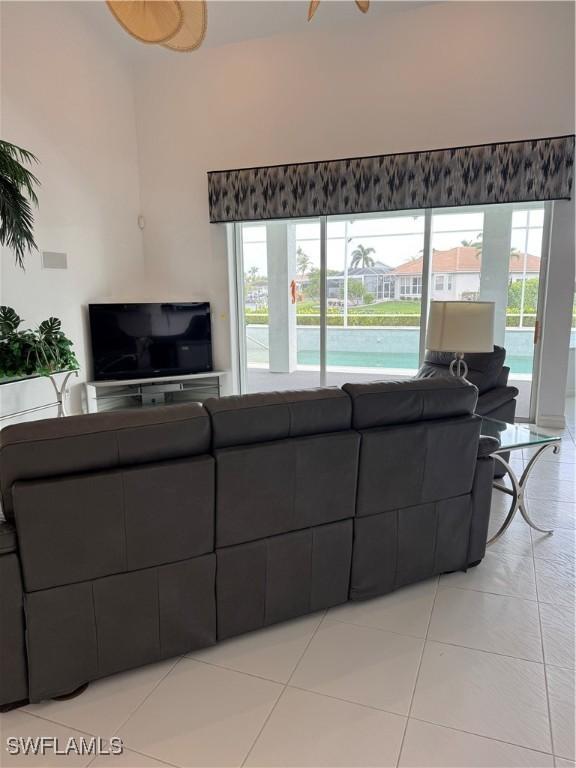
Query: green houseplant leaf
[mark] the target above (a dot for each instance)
(42, 351)
(9, 321)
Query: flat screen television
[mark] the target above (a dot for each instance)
(133, 341)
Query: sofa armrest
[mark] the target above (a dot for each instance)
(495, 398)
(8, 540)
(487, 445)
(503, 377)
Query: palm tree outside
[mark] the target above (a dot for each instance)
(303, 262)
(361, 257)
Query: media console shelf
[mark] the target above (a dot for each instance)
(141, 393)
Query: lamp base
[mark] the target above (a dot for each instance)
(458, 366)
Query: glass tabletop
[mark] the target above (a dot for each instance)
(515, 435)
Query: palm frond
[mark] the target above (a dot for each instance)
(17, 195)
(16, 152)
(16, 221)
(24, 179)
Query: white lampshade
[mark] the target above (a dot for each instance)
(461, 326)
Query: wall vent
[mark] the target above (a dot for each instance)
(52, 260)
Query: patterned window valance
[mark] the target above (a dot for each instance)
(507, 172)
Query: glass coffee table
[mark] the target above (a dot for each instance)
(512, 437)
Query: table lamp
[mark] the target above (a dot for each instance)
(460, 327)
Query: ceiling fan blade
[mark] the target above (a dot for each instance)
(193, 30)
(363, 5)
(312, 8)
(150, 21)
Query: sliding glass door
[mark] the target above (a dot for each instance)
(279, 286)
(352, 304)
(374, 314)
(494, 253)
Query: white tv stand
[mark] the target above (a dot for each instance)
(164, 390)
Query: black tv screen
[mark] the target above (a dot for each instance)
(132, 341)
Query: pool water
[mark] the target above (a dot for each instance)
(409, 360)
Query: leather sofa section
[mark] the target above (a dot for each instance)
(272, 488)
(403, 546)
(13, 669)
(484, 368)
(268, 416)
(82, 527)
(84, 631)
(79, 444)
(499, 397)
(386, 403)
(274, 579)
(414, 464)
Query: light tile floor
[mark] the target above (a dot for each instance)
(470, 670)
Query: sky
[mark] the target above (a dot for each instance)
(396, 238)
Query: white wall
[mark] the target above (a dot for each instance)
(433, 76)
(68, 96)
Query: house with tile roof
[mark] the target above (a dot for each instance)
(455, 274)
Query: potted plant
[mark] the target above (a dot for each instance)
(43, 351)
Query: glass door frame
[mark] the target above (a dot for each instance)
(540, 310)
(323, 297)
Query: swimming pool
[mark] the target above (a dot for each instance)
(375, 348)
(360, 359)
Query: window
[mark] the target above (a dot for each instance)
(410, 287)
(439, 282)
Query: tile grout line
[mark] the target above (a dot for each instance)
(482, 736)
(418, 672)
(284, 688)
(346, 701)
(145, 699)
(419, 719)
(48, 720)
(150, 757)
(213, 665)
(133, 712)
(543, 656)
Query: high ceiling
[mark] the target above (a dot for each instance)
(231, 21)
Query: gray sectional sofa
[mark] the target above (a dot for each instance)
(139, 535)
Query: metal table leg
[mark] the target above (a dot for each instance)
(62, 391)
(517, 491)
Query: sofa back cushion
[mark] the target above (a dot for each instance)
(86, 526)
(257, 418)
(284, 461)
(484, 368)
(419, 442)
(385, 403)
(79, 444)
